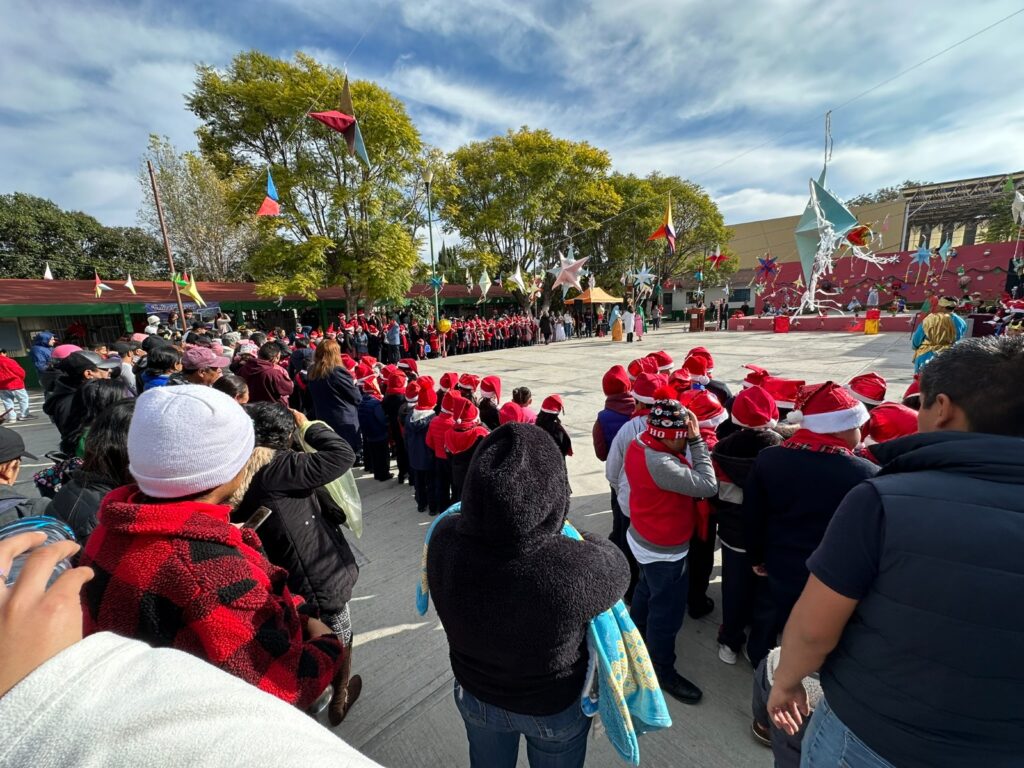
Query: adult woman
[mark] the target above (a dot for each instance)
(222, 323)
(334, 394)
(104, 468)
(90, 401)
(234, 386)
(514, 597)
(616, 323)
(296, 536)
(937, 333)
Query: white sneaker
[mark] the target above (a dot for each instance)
(726, 654)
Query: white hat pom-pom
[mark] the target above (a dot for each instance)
(795, 416)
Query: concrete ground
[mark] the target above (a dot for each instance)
(406, 716)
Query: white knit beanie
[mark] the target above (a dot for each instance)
(187, 439)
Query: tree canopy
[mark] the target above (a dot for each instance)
(884, 194)
(34, 231)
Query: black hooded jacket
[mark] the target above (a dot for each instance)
(734, 457)
(513, 594)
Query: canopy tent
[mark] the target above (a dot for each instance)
(596, 296)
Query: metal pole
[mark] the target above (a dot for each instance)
(433, 269)
(167, 246)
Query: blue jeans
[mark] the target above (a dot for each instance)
(658, 609)
(828, 743)
(552, 741)
(17, 401)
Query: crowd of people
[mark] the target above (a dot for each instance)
(879, 537)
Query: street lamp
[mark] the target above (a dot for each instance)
(428, 176)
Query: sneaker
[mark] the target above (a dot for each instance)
(726, 654)
(29, 417)
(762, 734)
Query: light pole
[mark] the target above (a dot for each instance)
(428, 176)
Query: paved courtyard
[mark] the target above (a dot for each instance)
(406, 716)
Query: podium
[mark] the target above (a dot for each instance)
(696, 319)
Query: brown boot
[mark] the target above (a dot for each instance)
(347, 688)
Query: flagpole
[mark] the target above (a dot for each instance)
(167, 246)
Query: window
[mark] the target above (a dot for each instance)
(739, 294)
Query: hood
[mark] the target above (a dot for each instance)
(622, 403)
(993, 458)
(42, 339)
(419, 422)
(127, 511)
(735, 454)
(516, 493)
(463, 437)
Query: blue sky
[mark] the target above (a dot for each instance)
(670, 85)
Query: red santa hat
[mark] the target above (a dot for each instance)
(868, 388)
(889, 421)
(448, 380)
(646, 385)
(511, 412)
(425, 382)
(468, 382)
(449, 400)
(667, 420)
(427, 399)
(371, 386)
(349, 362)
(642, 365)
(754, 408)
(828, 408)
(408, 364)
(490, 387)
(914, 390)
(552, 404)
(465, 412)
(362, 372)
(412, 391)
(697, 367)
(616, 381)
(703, 352)
(681, 380)
(396, 383)
(369, 360)
(784, 391)
(756, 377)
(663, 360)
(706, 407)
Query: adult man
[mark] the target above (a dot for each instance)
(12, 504)
(201, 365)
(13, 395)
(392, 342)
(77, 368)
(41, 351)
(915, 592)
(268, 382)
(660, 488)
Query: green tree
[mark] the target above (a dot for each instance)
(34, 231)
(514, 198)
(885, 194)
(341, 223)
(209, 236)
(1000, 227)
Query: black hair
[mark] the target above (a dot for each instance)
(94, 397)
(273, 424)
(162, 359)
(302, 343)
(257, 337)
(521, 395)
(106, 447)
(983, 377)
(122, 349)
(232, 385)
(270, 350)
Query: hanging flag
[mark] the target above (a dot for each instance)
(270, 206)
(47, 274)
(666, 231)
(99, 286)
(130, 285)
(193, 292)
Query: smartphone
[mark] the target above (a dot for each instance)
(258, 518)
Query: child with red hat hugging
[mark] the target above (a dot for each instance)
(548, 420)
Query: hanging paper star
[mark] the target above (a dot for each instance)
(759, 288)
(885, 223)
(129, 284)
(666, 231)
(570, 273)
(922, 256)
(717, 259)
(469, 280)
(859, 235)
(591, 281)
(698, 291)
(799, 282)
(767, 266)
(193, 292)
(436, 282)
(485, 285)
(270, 206)
(353, 136)
(180, 281)
(698, 276)
(643, 277)
(99, 287)
(47, 275)
(516, 279)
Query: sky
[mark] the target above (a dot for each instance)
(729, 94)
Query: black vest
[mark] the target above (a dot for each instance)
(928, 671)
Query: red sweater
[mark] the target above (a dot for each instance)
(12, 375)
(437, 432)
(179, 575)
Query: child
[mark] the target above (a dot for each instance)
(436, 434)
(490, 397)
(461, 442)
(743, 592)
(421, 457)
(374, 426)
(548, 420)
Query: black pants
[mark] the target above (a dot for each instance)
(379, 458)
(423, 482)
(620, 524)
(401, 457)
(746, 601)
(702, 562)
(629, 337)
(442, 484)
(658, 610)
(390, 354)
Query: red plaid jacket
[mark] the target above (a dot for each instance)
(179, 575)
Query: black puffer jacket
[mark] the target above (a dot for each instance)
(62, 408)
(513, 594)
(78, 501)
(733, 458)
(297, 537)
